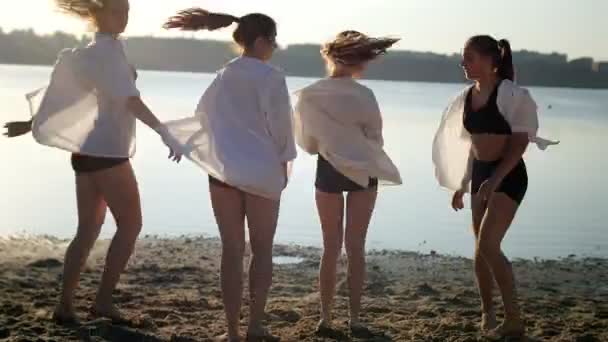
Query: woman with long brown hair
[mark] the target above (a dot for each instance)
(89, 109)
(242, 137)
(478, 149)
(338, 119)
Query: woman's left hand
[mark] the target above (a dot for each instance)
(17, 128)
(487, 188)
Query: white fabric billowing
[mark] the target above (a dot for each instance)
(84, 108)
(452, 144)
(242, 132)
(340, 119)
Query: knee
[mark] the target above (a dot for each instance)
(88, 231)
(262, 250)
(129, 226)
(476, 228)
(332, 251)
(489, 250)
(233, 249)
(355, 247)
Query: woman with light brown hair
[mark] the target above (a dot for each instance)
(242, 137)
(89, 109)
(338, 119)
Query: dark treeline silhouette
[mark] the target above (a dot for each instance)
(179, 54)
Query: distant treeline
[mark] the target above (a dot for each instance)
(178, 54)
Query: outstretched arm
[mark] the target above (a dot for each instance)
(17, 128)
(141, 111)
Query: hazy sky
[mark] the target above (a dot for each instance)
(577, 28)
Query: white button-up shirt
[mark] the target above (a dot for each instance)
(452, 143)
(242, 131)
(84, 108)
(341, 120)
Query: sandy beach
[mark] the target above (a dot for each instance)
(171, 291)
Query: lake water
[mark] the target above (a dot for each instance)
(565, 210)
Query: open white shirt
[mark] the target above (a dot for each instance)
(84, 108)
(242, 132)
(452, 143)
(340, 119)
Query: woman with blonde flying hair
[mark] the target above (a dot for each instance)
(339, 119)
(242, 137)
(89, 109)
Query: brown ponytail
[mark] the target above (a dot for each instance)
(194, 19)
(499, 51)
(506, 71)
(250, 27)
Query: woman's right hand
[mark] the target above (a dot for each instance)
(17, 128)
(175, 148)
(457, 200)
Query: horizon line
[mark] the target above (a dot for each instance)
(286, 46)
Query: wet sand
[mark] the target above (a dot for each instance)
(171, 291)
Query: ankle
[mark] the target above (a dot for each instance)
(103, 302)
(233, 333)
(255, 325)
(64, 307)
(488, 311)
(513, 318)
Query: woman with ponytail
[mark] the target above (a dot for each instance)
(478, 149)
(242, 137)
(89, 109)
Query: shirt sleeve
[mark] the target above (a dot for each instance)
(524, 118)
(276, 105)
(110, 74)
(373, 127)
(304, 138)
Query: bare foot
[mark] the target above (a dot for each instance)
(509, 329)
(226, 338)
(324, 328)
(64, 316)
(359, 330)
(261, 334)
(110, 312)
(488, 321)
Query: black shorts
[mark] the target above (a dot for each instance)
(332, 181)
(513, 185)
(86, 164)
(215, 181)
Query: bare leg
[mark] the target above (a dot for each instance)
(229, 209)
(262, 215)
(359, 210)
(483, 273)
(499, 216)
(331, 213)
(91, 214)
(119, 188)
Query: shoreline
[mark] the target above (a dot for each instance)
(282, 246)
(463, 82)
(171, 287)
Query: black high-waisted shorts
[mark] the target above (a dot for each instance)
(86, 164)
(513, 185)
(332, 181)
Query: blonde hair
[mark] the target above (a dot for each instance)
(83, 9)
(353, 48)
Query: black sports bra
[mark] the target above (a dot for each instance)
(487, 119)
